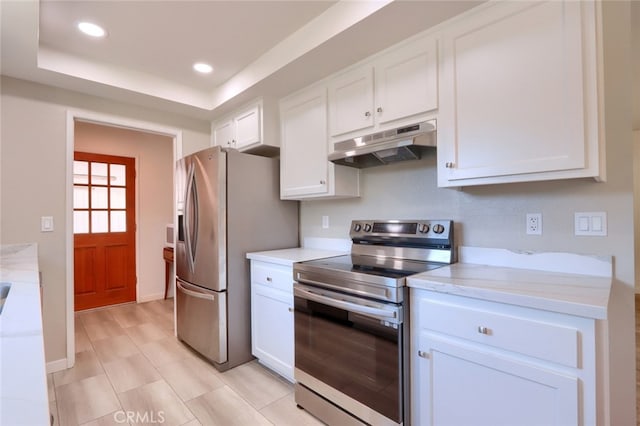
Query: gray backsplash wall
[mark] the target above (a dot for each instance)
(486, 216)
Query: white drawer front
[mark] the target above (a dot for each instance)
(277, 276)
(529, 336)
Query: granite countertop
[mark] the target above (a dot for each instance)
(288, 257)
(23, 382)
(559, 282)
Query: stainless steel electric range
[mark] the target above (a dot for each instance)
(351, 321)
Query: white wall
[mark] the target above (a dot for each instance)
(33, 179)
(494, 215)
(154, 195)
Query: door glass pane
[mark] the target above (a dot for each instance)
(118, 221)
(118, 198)
(99, 221)
(80, 172)
(80, 197)
(99, 173)
(99, 197)
(80, 222)
(118, 174)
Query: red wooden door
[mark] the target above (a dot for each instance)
(104, 230)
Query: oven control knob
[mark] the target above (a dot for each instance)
(438, 229)
(367, 227)
(357, 227)
(423, 228)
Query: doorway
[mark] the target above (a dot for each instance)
(104, 229)
(79, 120)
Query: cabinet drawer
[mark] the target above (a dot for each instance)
(536, 337)
(272, 275)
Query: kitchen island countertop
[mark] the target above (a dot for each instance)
(559, 282)
(23, 382)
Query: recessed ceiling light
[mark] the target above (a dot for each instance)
(202, 67)
(91, 29)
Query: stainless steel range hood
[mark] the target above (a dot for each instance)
(391, 146)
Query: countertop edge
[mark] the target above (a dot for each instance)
(454, 279)
(288, 257)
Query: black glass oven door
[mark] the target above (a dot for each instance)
(358, 354)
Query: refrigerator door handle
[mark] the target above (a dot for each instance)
(196, 294)
(190, 207)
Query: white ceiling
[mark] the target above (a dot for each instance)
(256, 47)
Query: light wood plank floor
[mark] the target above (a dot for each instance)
(130, 369)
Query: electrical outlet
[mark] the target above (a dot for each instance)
(534, 223)
(325, 222)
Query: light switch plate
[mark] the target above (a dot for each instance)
(592, 224)
(46, 224)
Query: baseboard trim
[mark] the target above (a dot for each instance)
(57, 365)
(150, 297)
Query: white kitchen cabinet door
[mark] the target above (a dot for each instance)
(351, 101)
(252, 128)
(461, 385)
(223, 134)
(305, 171)
(247, 128)
(398, 88)
(406, 82)
(519, 96)
(272, 328)
(486, 363)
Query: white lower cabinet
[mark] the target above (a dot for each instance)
(483, 363)
(272, 339)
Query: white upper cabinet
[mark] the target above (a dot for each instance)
(247, 127)
(252, 128)
(519, 94)
(351, 101)
(394, 89)
(406, 82)
(223, 134)
(305, 171)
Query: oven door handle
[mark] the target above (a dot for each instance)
(369, 311)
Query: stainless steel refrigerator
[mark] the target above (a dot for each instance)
(228, 205)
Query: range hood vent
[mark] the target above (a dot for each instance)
(391, 146)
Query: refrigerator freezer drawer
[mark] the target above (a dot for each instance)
(204, 328)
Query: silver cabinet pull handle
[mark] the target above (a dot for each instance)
(322, 182)
(449, 165)
(290, 309)
(269, 279)
(367, 114)
(379, 109)
(484, 330)
(423, 354)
